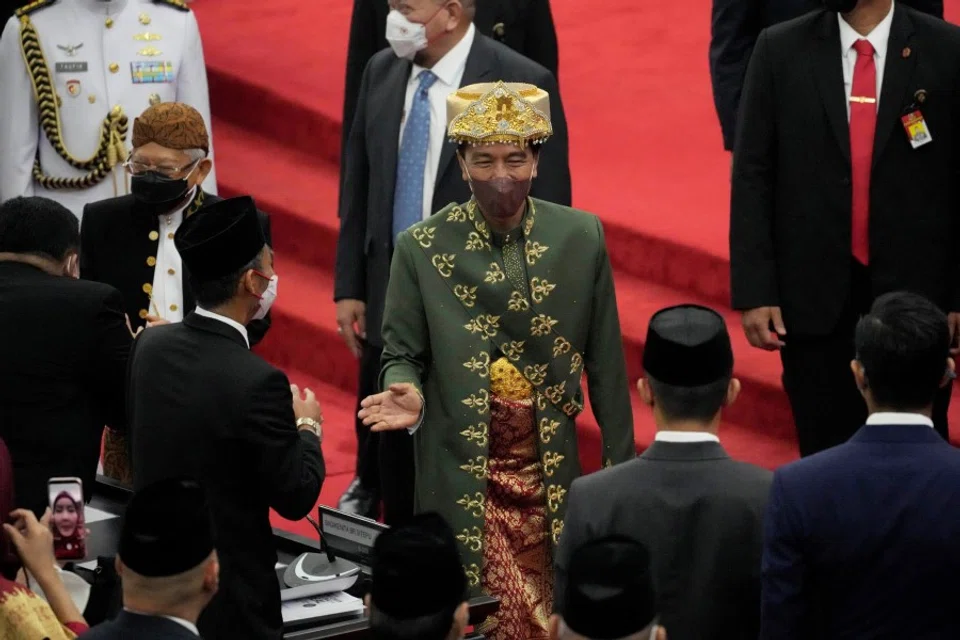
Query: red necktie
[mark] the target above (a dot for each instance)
(863, 124)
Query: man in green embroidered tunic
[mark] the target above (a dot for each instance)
(495, 310)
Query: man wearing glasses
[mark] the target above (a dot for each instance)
(127, 242)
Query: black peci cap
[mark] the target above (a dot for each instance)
(220, 238)
(687, 346)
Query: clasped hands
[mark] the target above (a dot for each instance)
(396, 408)
(765, 330)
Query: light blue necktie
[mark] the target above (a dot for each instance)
(412, 159)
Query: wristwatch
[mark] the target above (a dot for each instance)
(312, 425)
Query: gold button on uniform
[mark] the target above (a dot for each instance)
(170, 272)
(154, 235)
(154, 99)
(170, 235)
(173, 307)
(91, 98)
(151, 261)
(109, 24)
(114, 67)
(147, 288)
(143, 314)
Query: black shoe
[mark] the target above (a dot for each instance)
(360, 501)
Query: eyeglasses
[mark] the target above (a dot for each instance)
(139, 168)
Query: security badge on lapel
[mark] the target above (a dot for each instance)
(918, 132)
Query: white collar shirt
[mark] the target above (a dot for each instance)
(449, 71)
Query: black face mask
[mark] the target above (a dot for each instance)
(156, 193)
(840, 6)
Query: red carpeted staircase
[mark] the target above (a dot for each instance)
(646, 157)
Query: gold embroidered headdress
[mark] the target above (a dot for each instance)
(501, 112)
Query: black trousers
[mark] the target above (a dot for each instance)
(384, 460)
(827, 406)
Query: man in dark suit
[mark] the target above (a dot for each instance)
(202, 406)
(166, 562)
(735, 27)
(861, 540)
(389, 185)
(526, 26)
(64, 356)
(127, 242)
(844, 188)
(698, 511)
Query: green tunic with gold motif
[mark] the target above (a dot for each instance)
(458, 298)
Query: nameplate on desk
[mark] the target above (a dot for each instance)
(362, 534)
(349, 535)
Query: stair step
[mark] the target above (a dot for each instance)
(302, 206)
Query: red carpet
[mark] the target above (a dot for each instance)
(646, 156)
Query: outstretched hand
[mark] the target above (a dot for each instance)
(396, 408)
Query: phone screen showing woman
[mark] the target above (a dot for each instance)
(66, 521)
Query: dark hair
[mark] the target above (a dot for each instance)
(696, 404)
(38, 226)
(903, 345)
(430, 627)
(215, 292)
(463, 146)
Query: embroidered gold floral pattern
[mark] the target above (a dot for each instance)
(473, 505)
(551, 461)
(475, 242)
(471, 538)
(572, 408)
(477, 467)
(513, 350)
(535, 373)
(541, 401)
(531, 214)
(457, 215)
(424, 236)
(484, 324)
(576, 363)
(495, 274)
(517, 302)
(555, 393)
(479, 401)
(541, 325)
(473, 574)
(534, 251)
(467, 295)
(556, 528)
(479, 364)
(607, 462)
(540, 288)
(548, 429)
(560, 346)
(443, 263)
(477, 433)
(555, 495)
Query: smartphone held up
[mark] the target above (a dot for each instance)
(66, 521)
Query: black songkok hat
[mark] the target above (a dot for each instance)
(167, 529)
(417, 570)
(220, 238)
(609, 590)
(687, 346)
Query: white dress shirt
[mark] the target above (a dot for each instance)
(93, 49)
(449, 72)
(899, 419)
(230, 321)
(879, 38)
(166, 298)
(685, 436)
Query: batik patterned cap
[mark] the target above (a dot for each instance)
(501, 112)
(172, 125)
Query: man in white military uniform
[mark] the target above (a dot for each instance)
(74, 75)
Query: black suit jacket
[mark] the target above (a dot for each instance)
(735, 26)
(116, 246)
(365, 245)
(700, 514)
(133, 626)
(201, 405)
(790, 225)
(62, 365)
(526, 26)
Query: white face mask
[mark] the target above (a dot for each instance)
(406, 38)
(267, 299)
